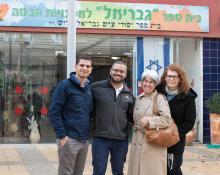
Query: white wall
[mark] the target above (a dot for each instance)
(190, 57)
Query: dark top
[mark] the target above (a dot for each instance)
(70, 109)
(111, 115)
(183, 111)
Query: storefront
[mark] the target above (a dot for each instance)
(144, 34)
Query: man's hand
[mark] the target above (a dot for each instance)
(63, 140)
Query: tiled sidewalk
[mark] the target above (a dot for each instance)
(41, 159)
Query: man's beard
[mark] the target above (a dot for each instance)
(115, 81)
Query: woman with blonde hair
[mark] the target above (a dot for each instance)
(175, 86)
(147, 158)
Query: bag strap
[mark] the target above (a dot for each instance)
(154, 109)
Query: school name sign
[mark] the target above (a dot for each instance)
(105, 15)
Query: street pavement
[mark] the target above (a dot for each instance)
(41, 159)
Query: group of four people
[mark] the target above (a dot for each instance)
(112, 109)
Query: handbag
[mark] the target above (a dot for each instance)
(165, 137)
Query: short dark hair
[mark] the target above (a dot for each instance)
(83, 57)
(119, 62)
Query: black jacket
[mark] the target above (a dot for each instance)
(183, 111)
(111, 115)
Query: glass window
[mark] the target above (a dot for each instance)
(30, 69)
(33, 64)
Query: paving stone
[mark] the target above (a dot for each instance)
(41, 159)
(35, 162)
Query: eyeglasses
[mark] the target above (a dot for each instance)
(172, 76)
(118, 70)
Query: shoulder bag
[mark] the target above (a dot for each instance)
(165, 137)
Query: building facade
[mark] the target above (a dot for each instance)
(146, 34)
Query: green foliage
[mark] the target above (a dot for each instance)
(213, 104)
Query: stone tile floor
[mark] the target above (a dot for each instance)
(41, 159)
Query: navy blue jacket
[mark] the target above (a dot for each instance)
(70, 109)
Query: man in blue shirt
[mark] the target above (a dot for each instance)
(70, 113)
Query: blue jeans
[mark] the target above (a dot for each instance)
(101, 147)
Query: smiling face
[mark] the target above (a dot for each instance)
(148, 85)
(172, 80)
(118, 73)
(83, 69)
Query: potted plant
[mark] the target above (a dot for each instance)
(213, 105)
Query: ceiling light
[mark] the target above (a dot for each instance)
(99, 53)
(60, 53)
(115, 58)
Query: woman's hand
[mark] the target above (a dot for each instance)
(144, 121)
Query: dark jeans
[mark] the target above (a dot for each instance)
(174, 164)
(101, 147)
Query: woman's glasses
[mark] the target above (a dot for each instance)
(172, 77)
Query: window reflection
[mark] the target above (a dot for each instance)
(29, 71)
(31, 66)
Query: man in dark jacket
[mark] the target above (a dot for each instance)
(113, 109)
(70, 116)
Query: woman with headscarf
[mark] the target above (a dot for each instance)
(147, 158)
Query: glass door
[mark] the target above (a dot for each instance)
(15, 88)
